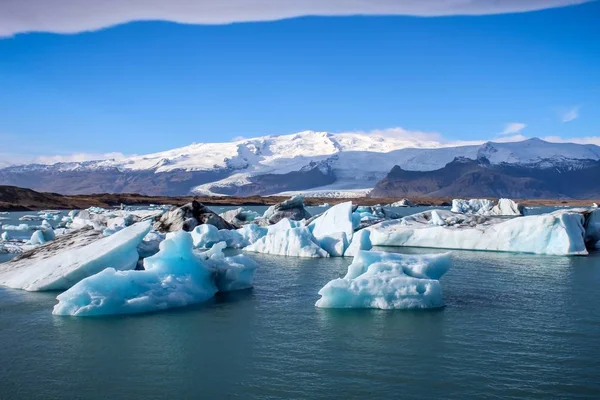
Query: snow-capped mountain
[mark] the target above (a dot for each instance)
(319, 162)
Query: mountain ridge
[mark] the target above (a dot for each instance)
(298, 162)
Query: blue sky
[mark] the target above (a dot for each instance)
(143, 87)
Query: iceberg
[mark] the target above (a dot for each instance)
(402, 203)
(360, 241)
(558, 233)
(21, 227)
(205, 236)
(388, 281)
(335, 244)
(292, 209)
(60, 264)
(231, 273)
(295, 242)
(505, 207)
(336, 219)
(174, 277)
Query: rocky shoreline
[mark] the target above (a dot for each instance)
(13, 198)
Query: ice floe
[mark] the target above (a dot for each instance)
(72, 257)
(174, 277)
(558, 233)
(295, 242)
(388, 281)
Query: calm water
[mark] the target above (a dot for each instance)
(515, 326)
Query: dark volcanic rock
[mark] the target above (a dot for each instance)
(292, 209)
(188, 216)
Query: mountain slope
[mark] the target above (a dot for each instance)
(479, 178)
(271, 164)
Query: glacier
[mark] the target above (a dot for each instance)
(174, 277)
(70, 264)
(388, 281)
(558, 233)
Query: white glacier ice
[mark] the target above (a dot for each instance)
(335, 243)
(360, 241)
(336, 219)
(505, 207)
(388, 281)
(65, 268)
(231, 273)
(558, 233)
(174, 277)
(295, 242)
(205, 236)
(436, 219)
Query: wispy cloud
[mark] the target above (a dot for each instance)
(570, 114)
(513, 128)
(579, 140)
(7, 159)
(72, 16)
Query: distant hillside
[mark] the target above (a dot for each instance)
(468, 178)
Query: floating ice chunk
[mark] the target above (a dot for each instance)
(335, 244)
(284, 224)
(4, 236)
(296, 242)
(594, 205)
(151, 244)
(205, 236)
(592, 226)
(505, 207)
(426, 266)
(252, 232)
(232, 238)
(473, 206)
(387, 281)
(69, 265)
(559, 233)
(337, 219)
(174, 277)
(21, 227)
(436, 219)
(231, 273)
(291, 209)
(360, 241)
(41, 237)
(403, 203)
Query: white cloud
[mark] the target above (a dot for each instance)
(238, 138)
(7, 159)
(513, 128)
(419, 138)
(570, 115)
(72, 16)
(579, 140)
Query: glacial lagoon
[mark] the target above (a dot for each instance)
(514, 326)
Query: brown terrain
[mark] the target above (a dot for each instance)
(13, 198)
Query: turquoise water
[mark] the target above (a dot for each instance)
(514, 326)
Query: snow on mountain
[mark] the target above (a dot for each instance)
(355, 161)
